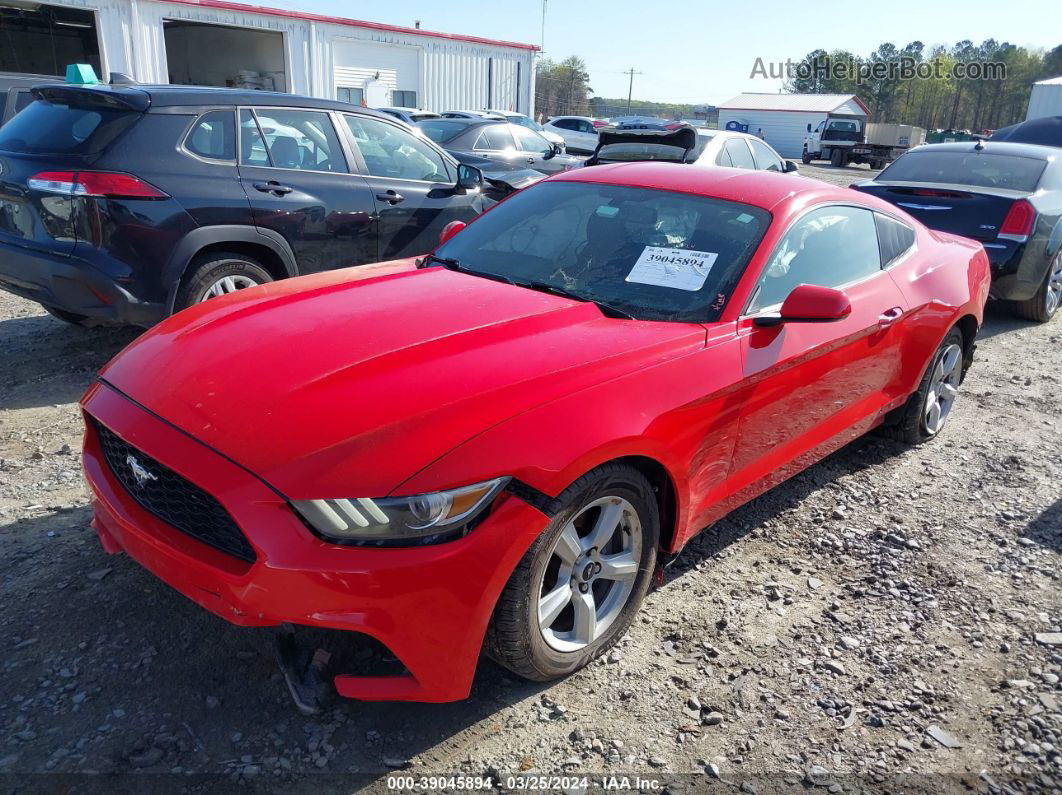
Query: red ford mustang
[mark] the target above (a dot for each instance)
(491, 448)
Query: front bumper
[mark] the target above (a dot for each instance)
(73, 285)
(429, 606)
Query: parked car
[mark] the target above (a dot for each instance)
(499, 141)
(1045, 131)
(473, 114)
(578, 132)
(526, 121)
(686, 144)
(124, 204)
(1007, 196)
(410, 115)
(494, 447)
(15, 92)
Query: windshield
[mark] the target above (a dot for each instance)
(978, 169)
(440, 130)
(651, 254)
(524, 121)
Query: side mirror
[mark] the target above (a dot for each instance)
(468, 177)
(790, 167)
(809, 128)
(809, 303)
(554, 150)
(450, 230)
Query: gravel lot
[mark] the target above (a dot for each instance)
(881, 622)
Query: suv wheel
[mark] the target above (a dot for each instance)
(576, 590)
(218, 273)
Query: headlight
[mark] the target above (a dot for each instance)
(400, 521)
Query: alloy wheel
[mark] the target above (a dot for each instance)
(228, 284)
(1053, 293)
(590, 574)
(943, 389)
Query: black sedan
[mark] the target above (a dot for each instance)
(1008, 196)
(498, 141)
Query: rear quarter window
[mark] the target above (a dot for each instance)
(976, 169)
(53, 128)
(894, 238)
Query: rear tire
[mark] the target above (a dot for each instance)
(837, 158)
(939, 386)
(216, 273)
(562, 560)
(1042, 306)
(73, 318)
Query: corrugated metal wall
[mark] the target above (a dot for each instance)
(784, 130)
(453, 74)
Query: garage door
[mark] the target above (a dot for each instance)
(358, 63)
(43, 39)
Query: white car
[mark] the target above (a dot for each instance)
(526, 121)
(578, 132)
(689, 145)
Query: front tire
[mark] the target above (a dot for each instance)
(923, 416)
(218, 273)
(577, 588)
(805, 158)
(1042, 306)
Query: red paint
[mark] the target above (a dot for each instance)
(450, 230)
(355, 23)
(811, 302)
(385, 380)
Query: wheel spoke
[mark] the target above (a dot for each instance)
(621, 566)
(605, 526)
(585, 629)
(933, 415)
(948, 393)
(568, 545)
(950, 360)
(551, 605)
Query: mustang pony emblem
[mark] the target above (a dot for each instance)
(141, 474)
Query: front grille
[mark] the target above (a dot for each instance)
(171, 498)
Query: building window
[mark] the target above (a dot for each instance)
(355, 96)
(404, 99)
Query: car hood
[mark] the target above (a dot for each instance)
(327, 387)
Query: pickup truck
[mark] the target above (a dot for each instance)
(852, 140)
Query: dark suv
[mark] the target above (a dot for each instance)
(123, 204)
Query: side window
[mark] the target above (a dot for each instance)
(585, 126)
(821, 127)
(494, 138)
(390, 151)
(831, 247)
(766, 159)
(303, 140)
(566, 124)
(404, 99)
(529, 141)
(213, 135)
(739, 153)
(894, 238)
(724, 159)
(252, 146)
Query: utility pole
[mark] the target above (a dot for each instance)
(630, 89)
(542, 41)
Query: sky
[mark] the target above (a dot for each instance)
(690, 51)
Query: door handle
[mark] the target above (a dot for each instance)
(272, 187)
(890, 316)
(530, 161)
(391, 197)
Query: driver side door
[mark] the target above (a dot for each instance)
(809, 388)
(412, 184)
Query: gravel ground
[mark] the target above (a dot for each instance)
(888, 620)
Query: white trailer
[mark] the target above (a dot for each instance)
(1045, 99)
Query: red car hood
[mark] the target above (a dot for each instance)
(327, 387)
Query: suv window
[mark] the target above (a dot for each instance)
(303, 140)
(530, 141)
(895, 238)
(494, 138)
(390, 151)
(213, 135)
(766, 160)
(739, 153)
(566, 124)
(55, 128)
(831, 247)
(252, 145)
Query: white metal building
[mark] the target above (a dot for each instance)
(215, 42)
(1046, 99)
(784, 118)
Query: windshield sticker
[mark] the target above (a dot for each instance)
(744, 218)
(677, 268)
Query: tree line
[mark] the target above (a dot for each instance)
(937, 95)
(562, 88)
